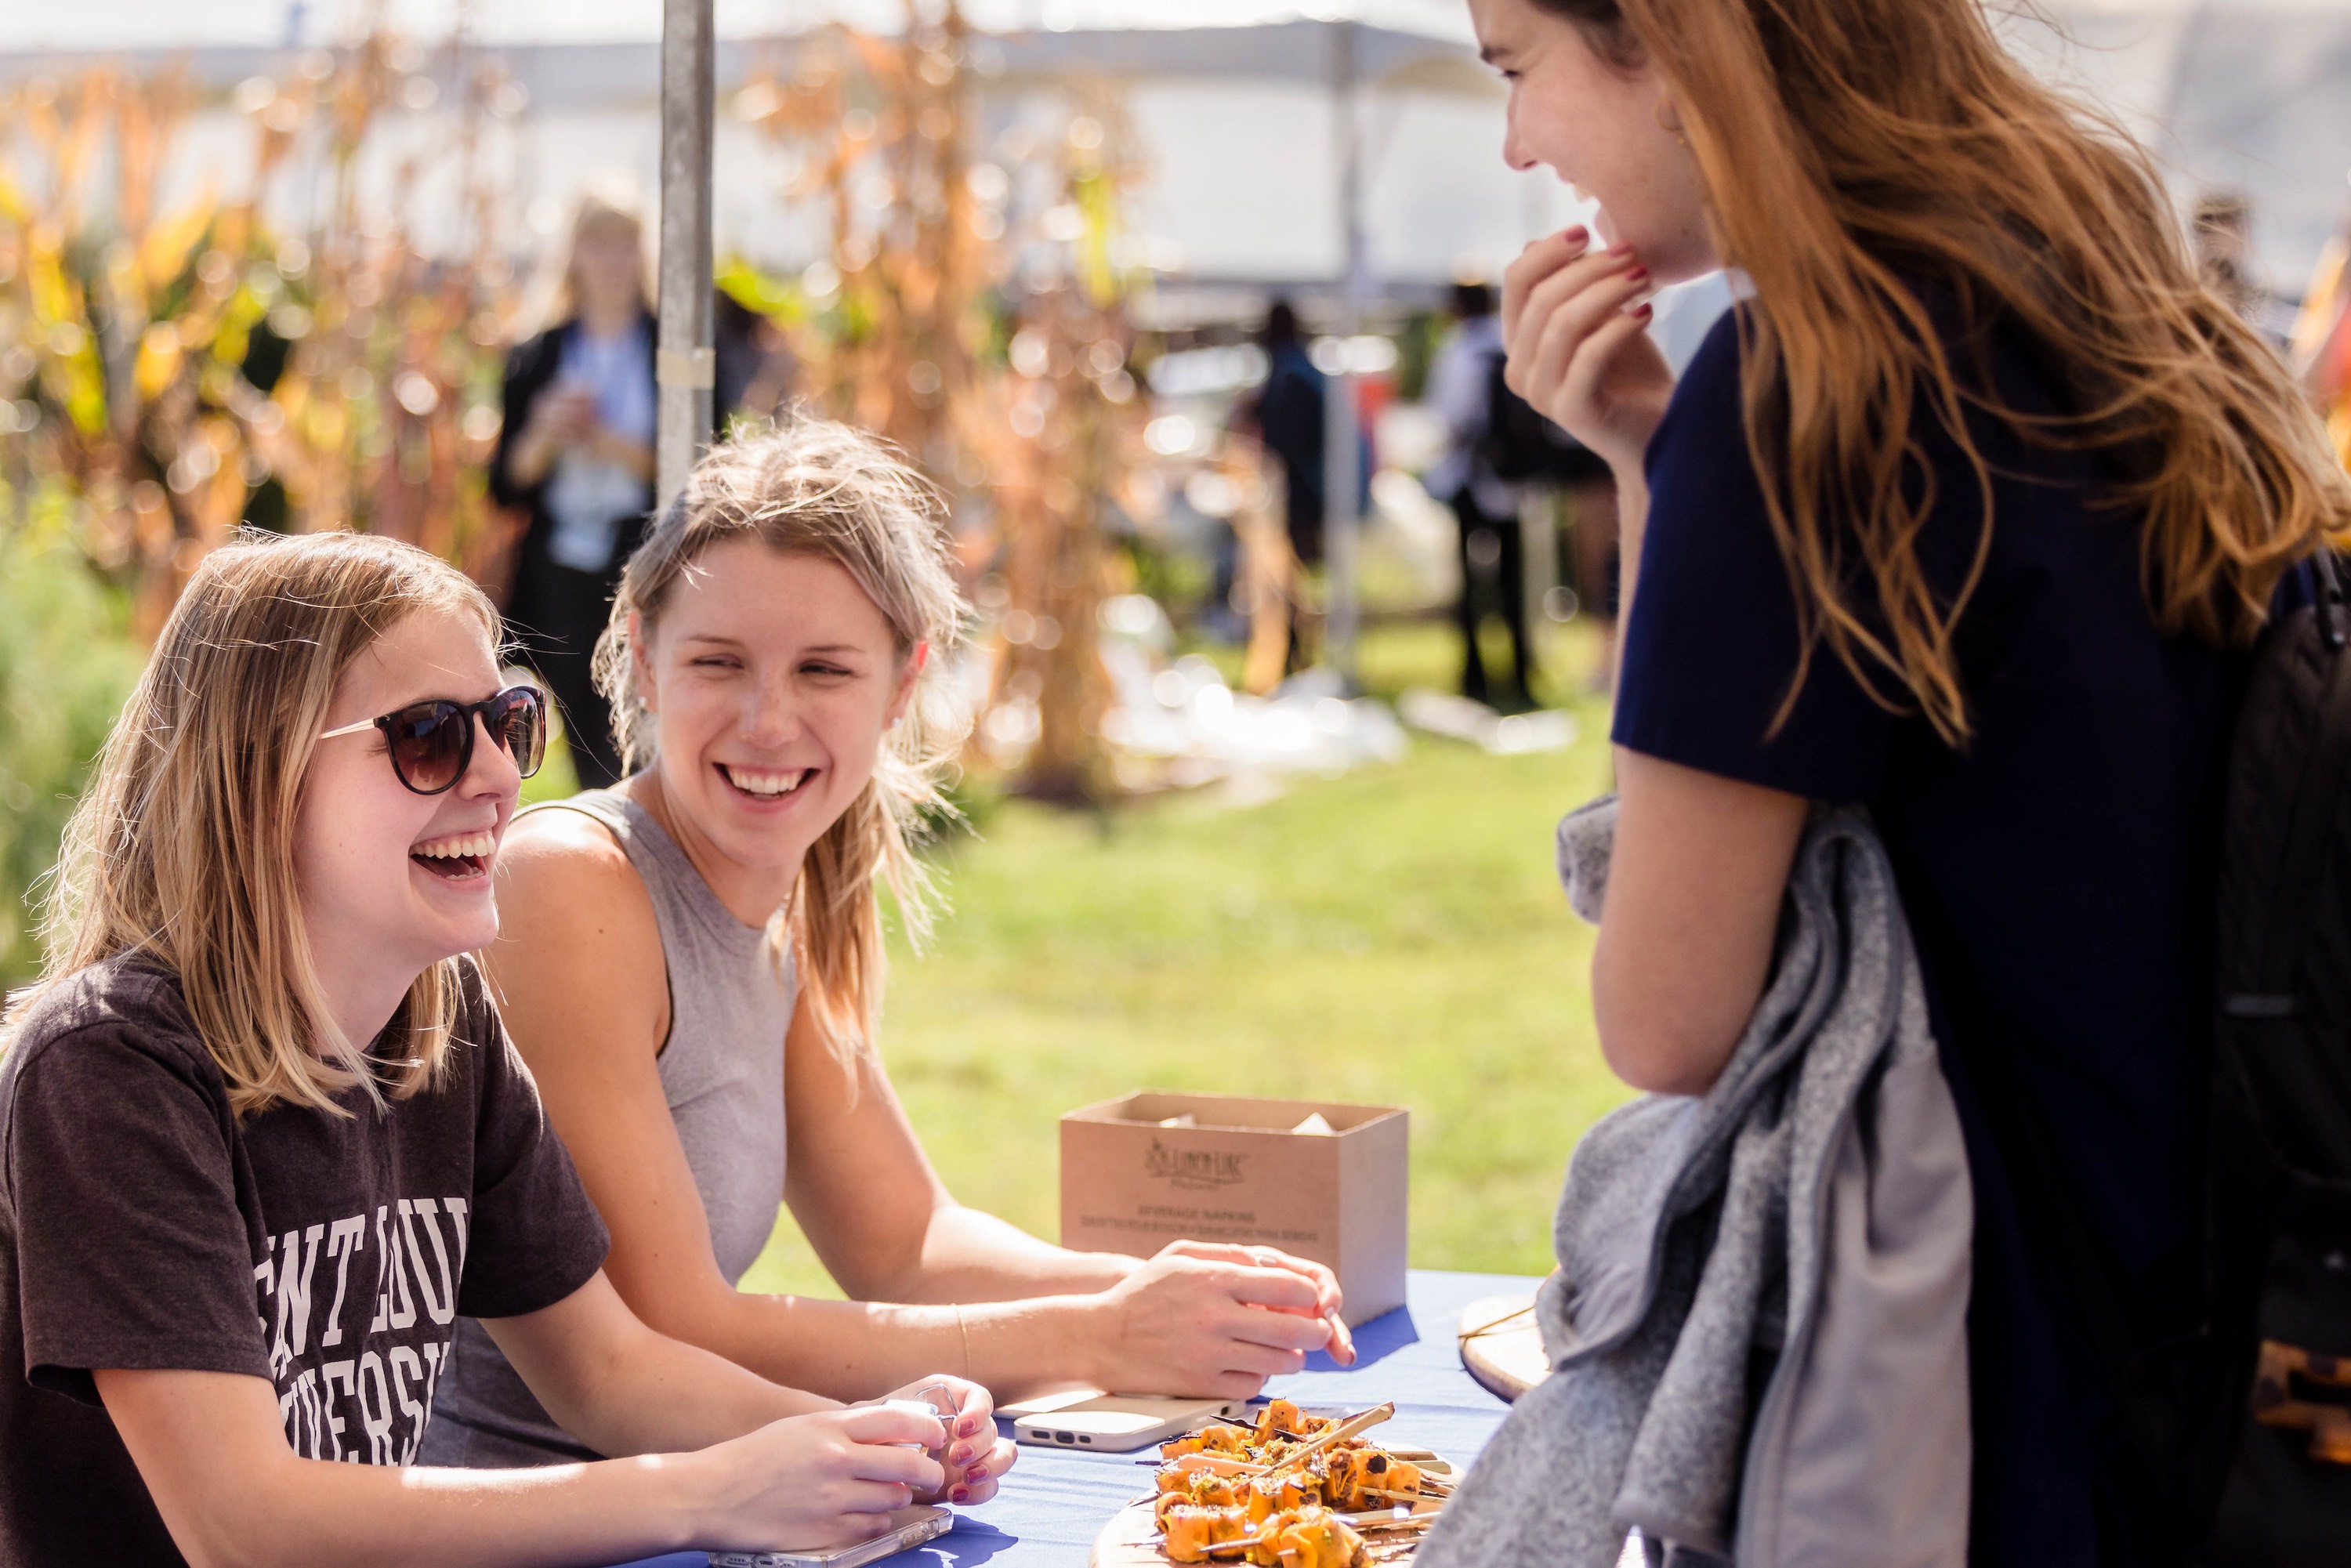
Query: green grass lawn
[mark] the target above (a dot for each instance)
(1393, 935)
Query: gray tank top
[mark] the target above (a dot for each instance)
(722, 1071)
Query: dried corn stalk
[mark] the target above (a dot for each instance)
(972, 309)
(175, 373)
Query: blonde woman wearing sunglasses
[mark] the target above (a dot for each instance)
(263, 1140)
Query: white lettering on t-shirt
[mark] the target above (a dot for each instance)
(336, 1372)
(456, 1208)
(297, 1255)
(393, 1306)
(344, 1238)
(443, 1307)
(375, 1407)
(384, 1391)
(406, 1368)
(305, 1423)
(262, 1276)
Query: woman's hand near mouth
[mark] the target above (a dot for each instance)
(1575, 323)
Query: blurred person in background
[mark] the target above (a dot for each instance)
(2220, 227)
(754, 369)
(2322, 341)
(1288, 412)
(1287, 415)
(576, 453)
(1489, 546)
(1878, 551)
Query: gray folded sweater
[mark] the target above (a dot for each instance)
(1759, 1329)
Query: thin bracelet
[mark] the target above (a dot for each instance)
(965, 1329)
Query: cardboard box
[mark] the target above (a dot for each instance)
(1240, 1174)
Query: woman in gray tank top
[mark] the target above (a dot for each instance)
(731, 998)
(692, 962)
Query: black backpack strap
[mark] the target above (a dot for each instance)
(2317, 804)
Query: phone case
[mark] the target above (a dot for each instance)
(1120, 1424)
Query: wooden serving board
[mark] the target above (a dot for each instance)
(1501, 1345)
(1131, 1540)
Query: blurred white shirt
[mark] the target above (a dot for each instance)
(1460, 378)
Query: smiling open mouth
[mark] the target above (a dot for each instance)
(460, 857)
(765, 784)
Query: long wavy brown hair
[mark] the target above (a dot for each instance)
(1856, 150)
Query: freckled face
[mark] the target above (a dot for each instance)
(1604, 130)
(772, 679)
(392, 882)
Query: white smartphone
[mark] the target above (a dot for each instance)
(1116, 1423)
(909, 1527)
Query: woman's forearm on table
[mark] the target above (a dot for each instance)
(623, 1388)
(972, 1256)
(979, 1296)
(367, 1514)
(858, 1350)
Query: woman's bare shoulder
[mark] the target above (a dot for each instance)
(568, 897)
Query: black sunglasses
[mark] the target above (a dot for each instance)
(432, 743)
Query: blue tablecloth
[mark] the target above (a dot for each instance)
(1055, 1502)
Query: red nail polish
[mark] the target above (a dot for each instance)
(1645, 311)
(961, 1494)
(1575, 236)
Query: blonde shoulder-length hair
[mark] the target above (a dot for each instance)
(812, 487)
(182, 846)
(1855, 150)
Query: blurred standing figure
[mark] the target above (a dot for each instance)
(2321, 341)
(576, 451)
(1491, 548)
(2222, 232)
(1290, 418)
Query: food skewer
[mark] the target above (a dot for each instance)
(1340, 1431)
(1336, 1432)
(1382, 1520)
(1241, 1491)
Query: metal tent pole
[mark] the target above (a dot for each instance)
(686, 364)
(1342, 482)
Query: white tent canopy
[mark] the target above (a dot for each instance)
(176, 24)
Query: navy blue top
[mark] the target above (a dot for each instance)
(2057, 872)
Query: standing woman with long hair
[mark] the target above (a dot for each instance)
(576, 453)
(1965, 514)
